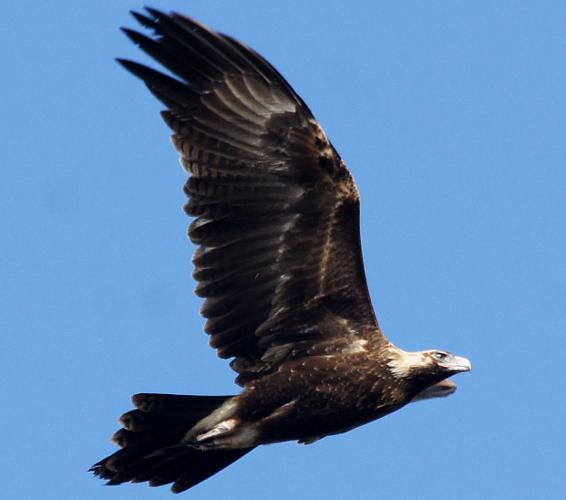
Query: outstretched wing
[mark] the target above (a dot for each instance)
(276, 210)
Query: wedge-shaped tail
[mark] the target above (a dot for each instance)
(151, 442)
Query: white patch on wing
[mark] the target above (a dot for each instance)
(355, 347)
(403, 362)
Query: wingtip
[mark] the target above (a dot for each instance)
(123, 62)
(135, 36)
(155, 13)
(142, 19)
(133, 67)
(127, 31)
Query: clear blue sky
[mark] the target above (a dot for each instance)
(452, 118)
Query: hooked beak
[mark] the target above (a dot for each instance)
(457, 364)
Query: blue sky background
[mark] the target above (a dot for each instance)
(452, 118)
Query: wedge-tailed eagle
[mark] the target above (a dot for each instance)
(278, 261)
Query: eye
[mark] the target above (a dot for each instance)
(440, 356)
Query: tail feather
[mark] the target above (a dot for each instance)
(123, 438)
(206, 464)
(151, 449)
(141, 421)
(174, 404)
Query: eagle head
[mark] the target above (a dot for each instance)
(422, 369)
(444, 362)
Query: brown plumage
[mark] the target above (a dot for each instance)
(279, 264)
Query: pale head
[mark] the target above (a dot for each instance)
(433, 364)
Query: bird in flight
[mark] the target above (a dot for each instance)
(278, 262)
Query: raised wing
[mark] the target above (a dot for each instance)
(277, 212)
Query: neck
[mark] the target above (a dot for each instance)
(402, 363)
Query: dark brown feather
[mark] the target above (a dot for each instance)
(150, 443)
(279, 264)
(277, 211)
